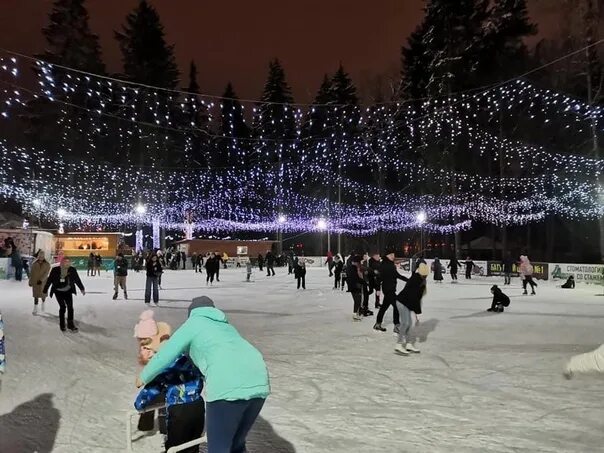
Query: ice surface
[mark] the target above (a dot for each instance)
(483, 382)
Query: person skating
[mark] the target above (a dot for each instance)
(570, 283)
(154, 271)
(270, 262)
(217, 263)
(355, 282)
(194, 261)
(374, 277)
(120, 269)
(329, 263)
(98, 263)
(212, 266)
(367, 289)
(469, 268)
(62, 282)
(409, 303)
(183, 259)
(17, 263)
(236, 376)
(300, 273)
(526, 273)
(260, 262)
(500, 300)
(389, 276)
(40, 269)
(454, 265)
(437, 270)
(338, 267)
(90, 271)
(508, 267)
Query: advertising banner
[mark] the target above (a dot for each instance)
(583, 273)
(540, 270)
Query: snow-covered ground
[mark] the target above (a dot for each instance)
(483, 382)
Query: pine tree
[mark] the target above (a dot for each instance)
(342, 90)
(233, 150)
(232, 120)
(316, 122)
(195, 116)
(274, 116)
(504, 52)
(70, 41)
(415, 59)
(147, 58)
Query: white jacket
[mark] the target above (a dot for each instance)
(590, 362)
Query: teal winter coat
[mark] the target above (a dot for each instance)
(232, 367)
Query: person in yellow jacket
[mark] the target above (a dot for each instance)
(590, 362)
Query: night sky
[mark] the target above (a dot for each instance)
(234, 40)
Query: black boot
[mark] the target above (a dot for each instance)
(125, 295)
(367, 312)
(378, 326)
(114, 295)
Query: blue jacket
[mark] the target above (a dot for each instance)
(181, 382)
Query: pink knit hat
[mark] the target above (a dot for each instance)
(146, 327)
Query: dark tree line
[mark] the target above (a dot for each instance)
(463, 46)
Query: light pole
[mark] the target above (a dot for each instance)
(421, 219)
(322, 226)
(281, 221)
(140, 210)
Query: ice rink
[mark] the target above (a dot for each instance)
(482, 383)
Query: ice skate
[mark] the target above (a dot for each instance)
(35, 312)
(401, 350)
(42, 308)
(533, 293)
(356, 317)
(367, 313)
(396, 330)
(114, 296)
(379, 327)
(490, 309)
(125, 295)
(524, 293)
(73, 329)
(411, 348)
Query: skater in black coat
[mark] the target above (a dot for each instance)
(260, 261)
(354, 279)
(469, 268)
(389, 276)
(454, 265)
(437, 270)
(570, 283)
(300, 273)
(373, 275)
(500, 300)
(62, 282)
(338, 267)
(212, 267)
(508, 266)
(270, 262)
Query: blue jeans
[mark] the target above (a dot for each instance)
(229, 422)
(406, 323)
(151, 282)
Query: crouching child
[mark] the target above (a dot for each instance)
(500, 300)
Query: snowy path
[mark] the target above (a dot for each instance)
(483, 383)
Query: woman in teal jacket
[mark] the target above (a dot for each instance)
(236, 377)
